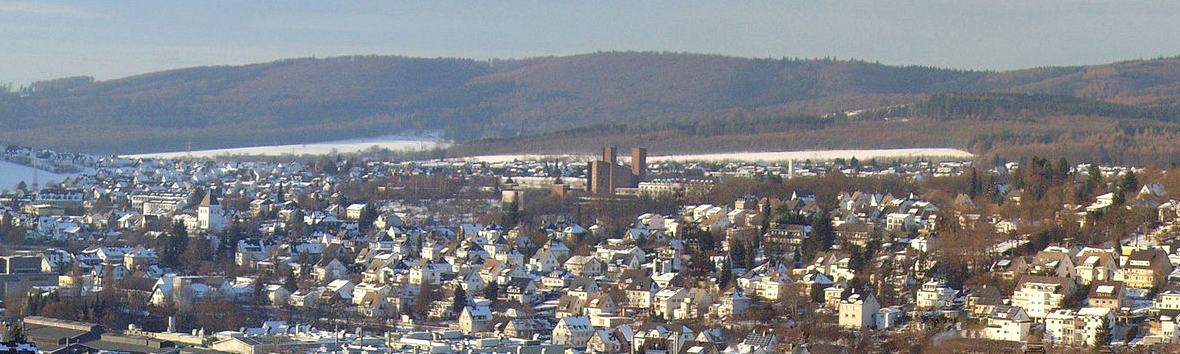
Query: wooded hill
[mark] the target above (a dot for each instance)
(1009, 125)
(308, 100)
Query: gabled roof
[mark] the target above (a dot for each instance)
(209, 199)
(1061, 283)
(759, 339)
(598, 301)
(372, 300)
(569, 303)
(1008, 313)
(987, 295)
(478, 313)
(576, 323)
(1106, 289)
(520, 283)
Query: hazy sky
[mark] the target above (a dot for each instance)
(111, 39)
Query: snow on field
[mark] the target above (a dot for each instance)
(521, 157)
(817, 155)
(341, 146)
(11, 174)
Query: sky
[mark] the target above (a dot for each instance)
(113, 39)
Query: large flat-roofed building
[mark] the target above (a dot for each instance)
(606, 175)
(17, 264)
(19, 273)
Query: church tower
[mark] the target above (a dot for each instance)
(209, 213)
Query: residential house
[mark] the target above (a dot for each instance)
(1039, 295)
(353, 212)
(360, 291)
(980, 301)
(604, 341)
(638, 287)
(1096, 266)
(584, 266)
(526, 328)
(857, 311)
(329, 268)
(544, 262)
(336, 292)
(490, 270)
(429, 272)
(661, 338)
(733, 303)
(1145, 269)
(934, 295)
(888, 317)
(140, 258)
(471, 281)
(1167, 303)
(1007, 323)
(667, 300)
(569, 305)
(375, 305)
(1010, 269)
(1161, 331)
(475, 319)
(1053, 262)
(854, 233)
(788, 238)
(249, 251)
(813, 282)
(573, 332)
(760, 342)
(305, 298)
(521, 290)
(277, 294)
(599, 304)
(1078, 328)
(900, 222)
(555, 280)
(1106, 294)
(582, 287)
(773, 286)
(185, 291)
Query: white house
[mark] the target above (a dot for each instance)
(934, 295)
(1078, 328)
(1038, 295)
(857, 311)
(1007, 323)
(573, 331)
(888, 317)
(475, 319)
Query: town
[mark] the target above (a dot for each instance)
(354, 253)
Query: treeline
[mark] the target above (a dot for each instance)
(1004, 105)
(293, 101)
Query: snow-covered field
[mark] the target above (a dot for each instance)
(521, 157)
(11, 174)
(341, 146)
(817, 155)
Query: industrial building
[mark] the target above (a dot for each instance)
(606, 175)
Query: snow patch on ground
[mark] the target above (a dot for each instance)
(520, 157)
(782, 156)
(341, 146)
(12, 174)
(818, 155)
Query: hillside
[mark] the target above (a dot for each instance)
(307, 100)
(990, 124)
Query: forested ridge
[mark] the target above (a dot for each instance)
(661, 96)
(1010, 125)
